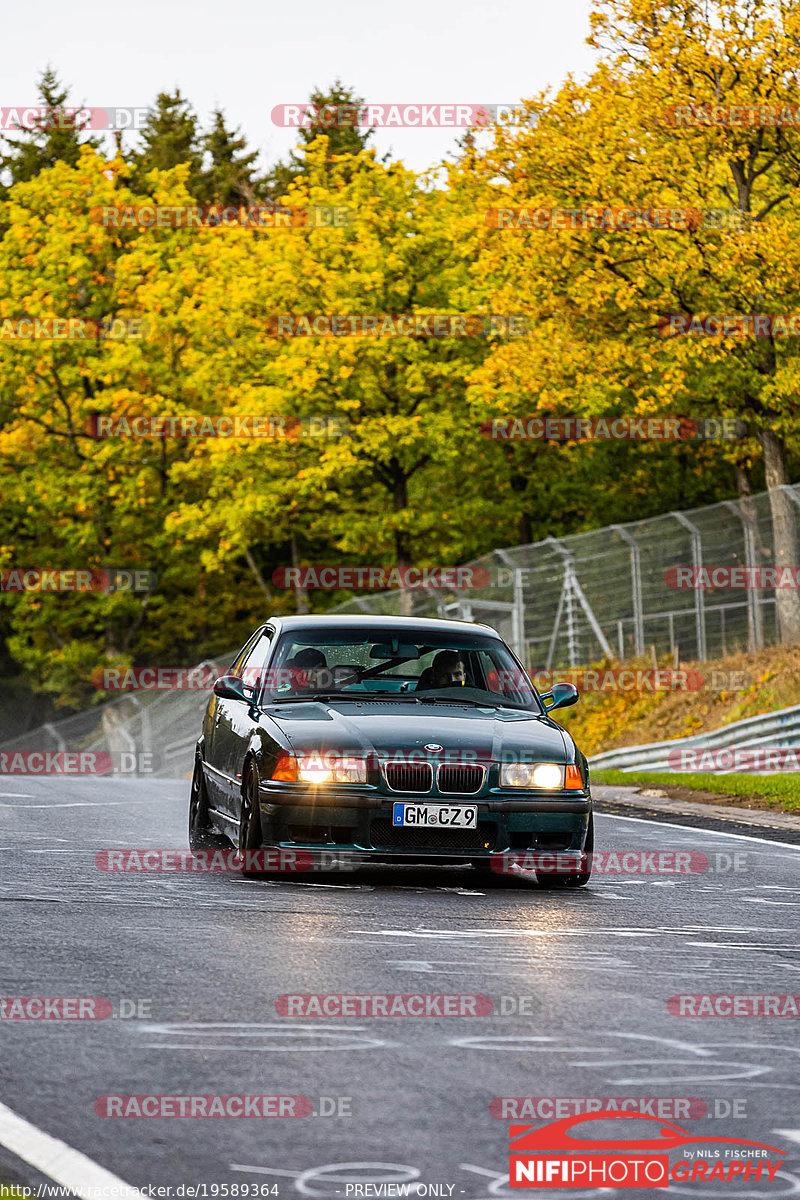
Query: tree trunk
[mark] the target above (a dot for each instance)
(259, 578)
(402, 548)
(300, 597)
(787, 600)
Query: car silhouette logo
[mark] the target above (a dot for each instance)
(434, 747)
(555, 1136)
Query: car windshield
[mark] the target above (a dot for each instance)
(462, 668)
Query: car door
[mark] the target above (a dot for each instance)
(235, 725)
(216, 716)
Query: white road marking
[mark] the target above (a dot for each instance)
(319, 1181)
(742, 837)
(58, 1161)
(81, 804)
(17, 796)
(266, 1037)
(460, 936)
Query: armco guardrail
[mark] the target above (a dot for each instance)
(781, 728)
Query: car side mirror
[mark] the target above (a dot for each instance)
(231, 687)
(561, 695)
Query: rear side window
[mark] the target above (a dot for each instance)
(253, 664)
(236, 666)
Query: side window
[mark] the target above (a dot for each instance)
(513, 683)
(235, 666)
(252, 666)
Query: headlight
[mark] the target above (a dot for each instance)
(532, 775)
(324, 768)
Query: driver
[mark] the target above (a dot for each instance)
(309, 670)
(448, 670)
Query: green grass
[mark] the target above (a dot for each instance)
(777, 790)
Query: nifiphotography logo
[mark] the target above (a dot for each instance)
(553, 1157)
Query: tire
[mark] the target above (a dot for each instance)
(201, 834)
(578, 878)
(250, 837)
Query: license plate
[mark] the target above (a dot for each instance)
(453, 816)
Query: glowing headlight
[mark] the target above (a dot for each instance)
(324, 768)
(531, 775)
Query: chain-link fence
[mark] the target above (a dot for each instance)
(610, 593)
(698, 584)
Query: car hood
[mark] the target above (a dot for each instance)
(388, 730)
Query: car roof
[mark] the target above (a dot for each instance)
(409, 624)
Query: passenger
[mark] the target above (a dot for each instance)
(309, 670)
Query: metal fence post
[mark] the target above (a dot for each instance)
(755, 623)
(699, 598)
(636, 590)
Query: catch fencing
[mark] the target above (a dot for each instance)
(561, 602)
(623, 592)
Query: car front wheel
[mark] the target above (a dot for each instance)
(572, 879)
(250, 817)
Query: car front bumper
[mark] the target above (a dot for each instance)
(361, 821)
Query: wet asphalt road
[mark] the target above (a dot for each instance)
(201, 960)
